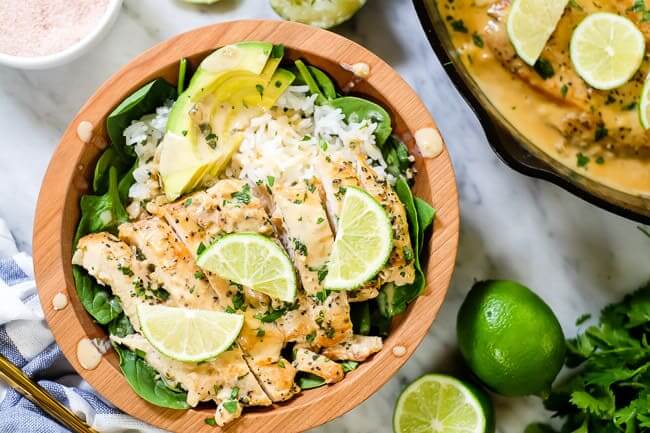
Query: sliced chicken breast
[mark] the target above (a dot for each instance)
(318, 365)
(358, 348)
(213, 380)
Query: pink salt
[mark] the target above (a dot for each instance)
(31, 28)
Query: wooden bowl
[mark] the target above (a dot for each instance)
(70, 171)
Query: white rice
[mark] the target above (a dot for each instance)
(282, 142)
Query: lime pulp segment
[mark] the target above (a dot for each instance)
(319, 13)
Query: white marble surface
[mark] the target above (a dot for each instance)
(575, 256)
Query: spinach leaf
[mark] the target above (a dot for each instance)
(358, 109)
(110, 158)
(125, 184)
(309, 381)
(348, 366)
(325, 83)
(143, 101)
(396, 155)
(96, 299)
(392, 299)
(360, 316)
(102, 212)
(120, 326)
(145, 381)
(306, 76)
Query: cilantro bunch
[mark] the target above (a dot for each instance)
(610, 391)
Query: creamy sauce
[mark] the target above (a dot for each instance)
(537, 113)
(429, 142)
(360, 69)
(399, 351)
(88, 355)
(85, 131)
(59, 301)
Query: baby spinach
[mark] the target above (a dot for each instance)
(360, 316)
(110, 158)
(96, 299)
(146, 383)
(393, 299)
(308, 79)
(325, 83)
(120, 326)
(396, 155)
(309, 381)
(144, 101)
(102, 212)
(359, 109)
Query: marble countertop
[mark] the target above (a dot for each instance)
(577, 257)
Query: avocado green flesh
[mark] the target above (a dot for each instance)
(232, 78)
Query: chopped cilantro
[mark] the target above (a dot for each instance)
(459, 26)
(544, 69)
(478, 40)
(582, 160)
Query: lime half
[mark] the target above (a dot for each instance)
(364, 241)
(644, 105)
(319, 13)
(441, 404)
(607, 50)
(188, 335)
(531, 23)
(254, 261)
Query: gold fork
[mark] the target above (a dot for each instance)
(15, 378)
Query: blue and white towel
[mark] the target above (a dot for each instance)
(27, 342)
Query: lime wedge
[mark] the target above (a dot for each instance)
(188, 335)
(644, 105)
(319, 13)
(607, 50)
(531, 23)
(364, 241)
(254, 261)
(440, 404)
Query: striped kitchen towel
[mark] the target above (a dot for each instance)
(27, 342)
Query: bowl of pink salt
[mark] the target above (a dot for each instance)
(40, 34)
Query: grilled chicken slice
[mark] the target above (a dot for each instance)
(171, 263)
(335, 174)
(318, 365)
(212, 380)
(112, 263)
(304, 230)
(589, 110)
(228, 207)
(358, 348)
(321, 319)
(369, 291)
(400, 268)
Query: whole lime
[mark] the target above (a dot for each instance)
(510, 338)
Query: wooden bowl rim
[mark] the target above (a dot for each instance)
(52, 238)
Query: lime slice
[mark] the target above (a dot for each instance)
(253, 261)
(364, 241)
(531, 23)
(319, 13)
(188, 335)
(644, 105)
(435, 404)
(607, 50)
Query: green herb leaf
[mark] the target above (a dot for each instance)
(544, 69)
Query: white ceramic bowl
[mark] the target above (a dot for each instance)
(73, 51)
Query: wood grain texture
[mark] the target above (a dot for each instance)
(69, 176)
